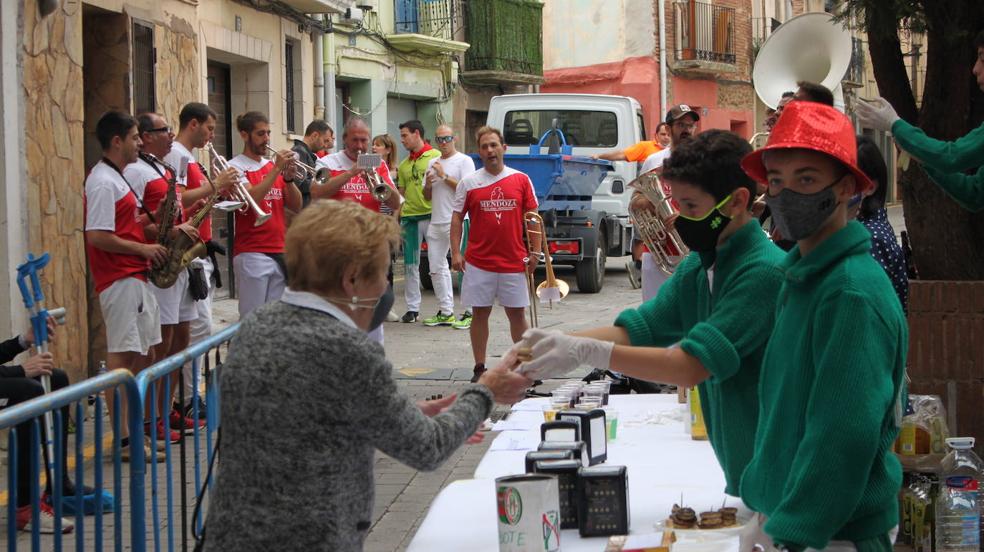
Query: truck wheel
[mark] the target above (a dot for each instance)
(591, 271)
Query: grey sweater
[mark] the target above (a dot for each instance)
(305, 402)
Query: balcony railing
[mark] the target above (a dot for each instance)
(705, 32)
(506, 38)
(435, 18)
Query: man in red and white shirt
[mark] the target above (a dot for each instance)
(496, 261)
(196, 128)
(119, 254)
(149, 179)
(348, 181)
(259, 250)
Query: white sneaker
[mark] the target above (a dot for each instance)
(392, 317)
(46, 520)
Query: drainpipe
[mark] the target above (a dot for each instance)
(329, 88)
(662, 59)
(319, 76)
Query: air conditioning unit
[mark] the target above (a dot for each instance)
(352, 16)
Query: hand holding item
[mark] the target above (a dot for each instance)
(507, 385)
(555, 353)
(38, 365)
(877, 114)
(29, 334)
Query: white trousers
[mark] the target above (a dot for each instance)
(652, 277)
(438, 246)
(258, 281)
(411, 291)
(200, 328)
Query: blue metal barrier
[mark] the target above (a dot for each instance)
(143, 390)
(155, 382)
(30, 411)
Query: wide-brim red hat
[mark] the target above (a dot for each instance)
(812, 126)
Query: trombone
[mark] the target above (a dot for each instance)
(551, 289)
(318, 176)
(240, 190)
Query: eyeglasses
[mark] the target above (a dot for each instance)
(164, 129)
(443, 139)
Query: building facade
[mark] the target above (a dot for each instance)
(62, 70)
(700, 50)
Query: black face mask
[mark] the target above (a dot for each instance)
(701, 234)
(381, 309)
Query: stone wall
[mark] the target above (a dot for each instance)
(178, 72)
(53, 138)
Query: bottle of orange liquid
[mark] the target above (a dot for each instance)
(698, 431)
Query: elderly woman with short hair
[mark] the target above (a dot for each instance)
(307, 398)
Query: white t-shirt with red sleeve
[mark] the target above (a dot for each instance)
(269, 236)
(356, 189)
(111, 206)
(150, 186)
(496, 205)
(192, 178)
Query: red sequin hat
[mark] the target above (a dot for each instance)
(813, 126)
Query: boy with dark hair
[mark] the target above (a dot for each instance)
(942, 161)
(709, 323)
(813, 92)
(831, 391)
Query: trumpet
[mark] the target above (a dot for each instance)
(240, 190)
(551, 289)
(318, 176)
(379, 189)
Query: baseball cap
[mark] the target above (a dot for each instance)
(680, 110)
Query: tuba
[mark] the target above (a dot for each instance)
(809, 47)
(654, 229)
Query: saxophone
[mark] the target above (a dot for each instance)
(183, 249)
(159, 275)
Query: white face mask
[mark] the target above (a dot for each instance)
(380, 306)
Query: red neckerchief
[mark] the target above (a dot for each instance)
(416, 154)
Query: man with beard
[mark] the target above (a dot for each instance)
(683, 125)
(259, 250)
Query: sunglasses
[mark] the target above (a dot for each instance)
(443, 139)
(165, 129)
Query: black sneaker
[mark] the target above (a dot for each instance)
(410, 317)
(190, 410)
(477, 372)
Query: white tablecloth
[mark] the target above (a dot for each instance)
(663, 463)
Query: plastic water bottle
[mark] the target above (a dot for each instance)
(958, 518)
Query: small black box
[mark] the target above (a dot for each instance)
(592, 429)
(577, 448)
(566, 473)
(560, 430)
(603, 501)
(534, 456)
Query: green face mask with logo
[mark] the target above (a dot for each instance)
(701, 234)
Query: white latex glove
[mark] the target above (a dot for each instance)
(556, 353)
(877, 114)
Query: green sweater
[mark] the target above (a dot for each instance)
(410, 175)
(943, 161)
(831, 384)
(726, 329)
